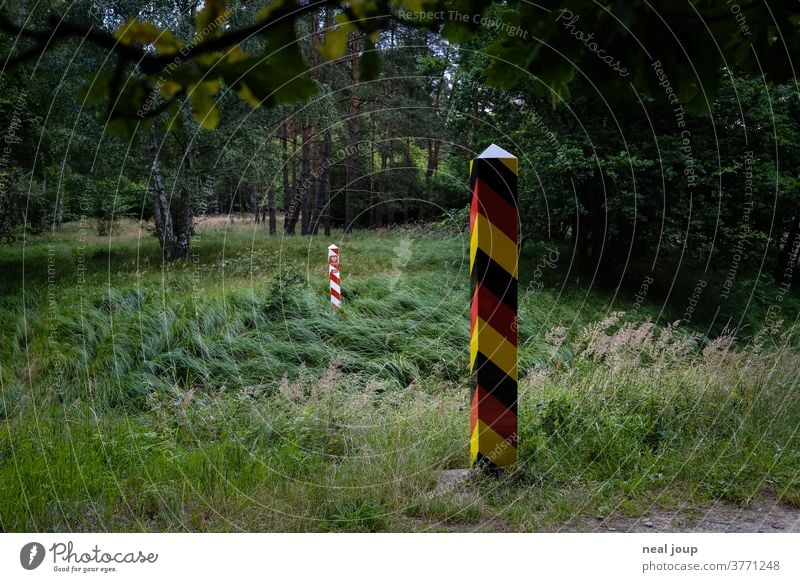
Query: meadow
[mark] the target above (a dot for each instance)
(222, 393)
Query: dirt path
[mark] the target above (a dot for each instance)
(766, 515)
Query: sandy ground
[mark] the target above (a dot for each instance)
(765, 515)
(758, 518)
(127, 229)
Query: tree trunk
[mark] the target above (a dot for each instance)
(162, 218)
(287, 193)
(408, 164)
(323, 191)
(435, 144)
(300, 198)
(373, 207)
(310, 169)
(58, 218)
(255, 206)
(183, 226)
(385, 154)
(355, 112)
(594, 250)
(293, 159)
(325, 183)
(273, 223)
(174, 233)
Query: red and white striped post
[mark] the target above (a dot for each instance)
(333, 274)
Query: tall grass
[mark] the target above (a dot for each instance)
(632, 409)
(329, 457)
(223, 394)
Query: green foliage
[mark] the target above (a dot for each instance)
(124, 195)
(630, 185)
(456, 221)
(274, 73)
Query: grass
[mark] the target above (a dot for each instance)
(223, 394)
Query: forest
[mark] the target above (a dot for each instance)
(172, 172)
(369, 150)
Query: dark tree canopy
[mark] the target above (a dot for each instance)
(660, 47)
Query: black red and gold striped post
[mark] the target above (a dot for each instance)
(493, 227)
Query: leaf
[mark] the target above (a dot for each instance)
(335, 43)
(210, 19)
(247, 95)
(236, 55)
(169, 88)
(458, 30)
(203, 109)
(296, 90)
(175, 122)
(177, 79)
(129, 107)
(370, 63)
(185, 75)
(136, 32)
(95, 89)
(124, 127)
(417, 5)
(262, 82)
(145, 33)
(167, 44)
(361, 8)
(264, 88)
(213, 85)
(276, 9)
